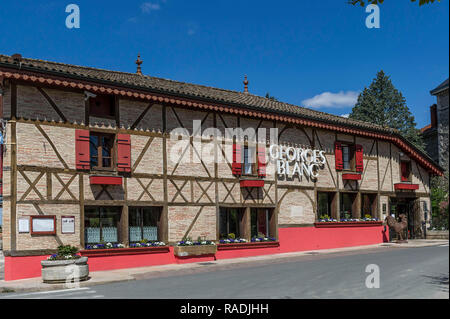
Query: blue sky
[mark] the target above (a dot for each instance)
(296, 50)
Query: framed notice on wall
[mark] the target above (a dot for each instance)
(43, 225)
(67, 225)
(24, 225)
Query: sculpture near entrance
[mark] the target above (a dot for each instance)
(398, 227)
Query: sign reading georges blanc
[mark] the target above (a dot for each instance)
(293, 161)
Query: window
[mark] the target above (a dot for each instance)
(348, 154)
(405, 167)
(143, 223)
(347, 203)
(249, 160)
(101, 224)
(324, 204)
(230, 222)
(369, 205)
(101, 149)
(260, 222)
(102, 106)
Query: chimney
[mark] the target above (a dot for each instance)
(17, 57)
(245, 85)
(138, 63)
(433, 113)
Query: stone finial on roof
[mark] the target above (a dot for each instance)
(245, 84)
(138, 63)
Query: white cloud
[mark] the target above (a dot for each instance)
(147, 7)
(335, 100)
(345, 115)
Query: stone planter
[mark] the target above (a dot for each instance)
(57, 271)
(195, 250)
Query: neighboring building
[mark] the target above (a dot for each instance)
(436, 133)
(89, 159)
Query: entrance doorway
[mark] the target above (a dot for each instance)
(407, 206)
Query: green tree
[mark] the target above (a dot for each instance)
(439, 201)
(362, 3)
(381, 103)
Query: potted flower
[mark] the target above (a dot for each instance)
(188, 247)
(324, 218)
(105, 246)
(65, 264)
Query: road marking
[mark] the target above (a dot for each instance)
(45, 292)
(63, 295)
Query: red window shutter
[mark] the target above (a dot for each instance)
(82, 154)
(236, 167)
(123, 153)
(261, 161)
(339, 163)
(359, 160)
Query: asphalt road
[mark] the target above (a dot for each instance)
(404, 273)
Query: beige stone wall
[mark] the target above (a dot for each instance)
(181, 218)
(296, 207)
(34, 149)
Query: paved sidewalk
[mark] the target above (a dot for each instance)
(130, 274)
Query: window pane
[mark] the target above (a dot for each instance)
(323, 204)
(134, 221)
(106, 151)
(223, 229)
(346, 157)
(248, 160)
(346, 205)
(143, 222)
(91, 225)
(259, 223)
(254, 222)
(109, 218)
(93, 149)
(150, 221)
(233, 220)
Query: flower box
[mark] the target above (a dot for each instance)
(252, 245)
(194, 250)
(348, 224)
(124, 251)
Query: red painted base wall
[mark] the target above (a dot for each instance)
(291, 240)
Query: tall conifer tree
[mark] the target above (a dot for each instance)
(381, 103)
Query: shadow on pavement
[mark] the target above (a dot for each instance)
(441, 281)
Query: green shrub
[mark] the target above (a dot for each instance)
(65, 250)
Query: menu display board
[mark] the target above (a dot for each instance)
(68, 225)
(43, 225)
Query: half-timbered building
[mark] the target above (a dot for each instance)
(89, 156)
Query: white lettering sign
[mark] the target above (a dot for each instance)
(292, 161)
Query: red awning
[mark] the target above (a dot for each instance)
(404, 186)
(252, 183)
(351, 176)
(105, 180)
